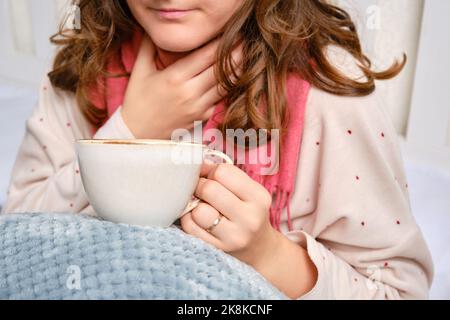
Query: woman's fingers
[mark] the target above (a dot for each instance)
(237, 56)
(207, 79)
(204, 81)
(215, 194)
(207, 85)
(191, 227)
(208, 102)
(236, 181)
(208, 113)
(205, 216)
(196, 62)
(212, 96)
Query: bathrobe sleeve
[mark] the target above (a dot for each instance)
(46, 176)
(360, 233)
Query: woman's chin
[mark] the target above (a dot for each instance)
(172, 45)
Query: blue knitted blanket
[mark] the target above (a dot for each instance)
(67, 256)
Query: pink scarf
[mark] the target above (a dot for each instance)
(281, 184)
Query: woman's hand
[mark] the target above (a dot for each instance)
(159, 102)
(245, 232)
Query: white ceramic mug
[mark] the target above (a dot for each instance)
(142, 182)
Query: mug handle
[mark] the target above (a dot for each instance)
(195, 201)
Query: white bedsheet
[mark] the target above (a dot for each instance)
(429, 189)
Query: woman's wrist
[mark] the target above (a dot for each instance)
(139, 131)
(287, 266)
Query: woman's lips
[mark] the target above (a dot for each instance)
(172, 13)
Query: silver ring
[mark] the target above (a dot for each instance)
(215, 223)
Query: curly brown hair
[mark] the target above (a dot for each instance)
(280, 36)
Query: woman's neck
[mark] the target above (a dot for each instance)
(166, 58)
